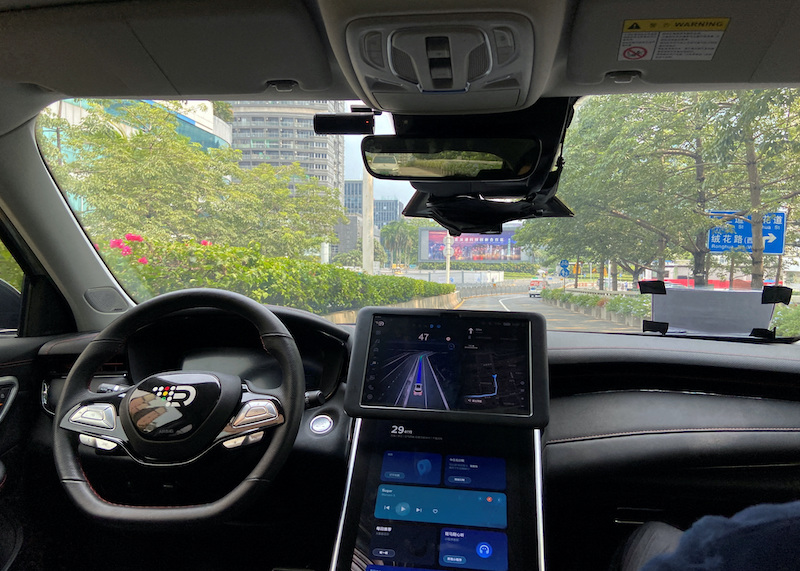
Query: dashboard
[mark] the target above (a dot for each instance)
(639, 427)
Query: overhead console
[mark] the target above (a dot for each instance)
(445, 471)
(437, 64)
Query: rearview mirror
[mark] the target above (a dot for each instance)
(468, 159)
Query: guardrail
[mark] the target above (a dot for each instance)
(475, 290)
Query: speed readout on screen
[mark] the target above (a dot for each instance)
(448, 364)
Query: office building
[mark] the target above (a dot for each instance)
(282, 132)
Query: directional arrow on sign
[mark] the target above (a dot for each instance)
(738, 233)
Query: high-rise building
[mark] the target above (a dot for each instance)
(282, 132)
(353, 196)
(387, 211)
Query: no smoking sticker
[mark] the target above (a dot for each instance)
(635, 52)
(663, 39)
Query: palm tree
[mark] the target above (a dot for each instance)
(399, 238)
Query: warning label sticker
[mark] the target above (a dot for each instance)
(671, 39)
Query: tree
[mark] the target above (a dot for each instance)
(223, 110)
(134, 173)
(400, 238)
(353, 257)
(644, 171)
(756, 138)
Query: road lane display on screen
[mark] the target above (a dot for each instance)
(446, 363)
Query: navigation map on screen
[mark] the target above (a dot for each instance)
(449, 363)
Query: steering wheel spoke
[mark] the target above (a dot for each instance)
(174, 417)
(96, 420)
(257, 413)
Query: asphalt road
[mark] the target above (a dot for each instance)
(557, 318)
(409, 380)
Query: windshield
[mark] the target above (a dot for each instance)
(694, 189)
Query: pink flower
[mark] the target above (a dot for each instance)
(118, 243)
(97, 247)
(133, 238)
(205, 243)
(125, 250)
(142, 260)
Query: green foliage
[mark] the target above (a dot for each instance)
(151, 267)
(586, 300)
(642, 172)
(638, 305)
(551, 293)
(130, 170)
(786, 320)
(401, 240)
(354, 257)
(223, 110)
(9, 269)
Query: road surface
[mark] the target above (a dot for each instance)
(410, 380)
(557, 317)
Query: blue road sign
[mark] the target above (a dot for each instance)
(738, 233)
(563, 272)
(564, 263)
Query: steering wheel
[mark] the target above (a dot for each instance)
(174, 417)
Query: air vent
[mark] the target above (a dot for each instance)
(108, 377)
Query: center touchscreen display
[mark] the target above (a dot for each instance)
(464, 496)
(449, 363)
(437, 498)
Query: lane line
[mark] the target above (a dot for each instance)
(500, 301)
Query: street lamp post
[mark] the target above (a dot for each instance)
(448, 252)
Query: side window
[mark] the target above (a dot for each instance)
(11, 279)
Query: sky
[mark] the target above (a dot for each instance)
(353, 165)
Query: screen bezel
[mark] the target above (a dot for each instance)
(515, 444)
(538, 381)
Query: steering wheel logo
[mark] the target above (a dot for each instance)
(175, 395)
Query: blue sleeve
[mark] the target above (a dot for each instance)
(763, 537)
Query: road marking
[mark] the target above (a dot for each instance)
(438, 386)
(500, 301)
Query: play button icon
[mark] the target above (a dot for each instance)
(403, 508)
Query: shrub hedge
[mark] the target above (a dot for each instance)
(786, 320)
(638, 305)
(148, 268)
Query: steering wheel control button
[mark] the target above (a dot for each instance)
(244, 440)
(234, 442)
(96, 415)
(256, 412)
(321, 424)
(94, 442)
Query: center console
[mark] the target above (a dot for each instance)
(445, 470)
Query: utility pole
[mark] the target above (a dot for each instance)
(368, 221)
